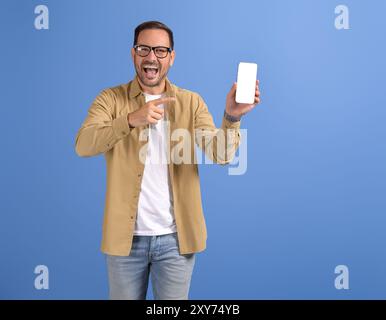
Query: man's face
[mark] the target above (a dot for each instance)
(148, 76)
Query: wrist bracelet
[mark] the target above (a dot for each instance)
(231, 118)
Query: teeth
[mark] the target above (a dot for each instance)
(150, 69)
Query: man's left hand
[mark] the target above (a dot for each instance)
(239, 109)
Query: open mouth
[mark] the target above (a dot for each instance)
(150, 71)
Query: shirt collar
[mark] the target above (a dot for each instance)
(135, 88)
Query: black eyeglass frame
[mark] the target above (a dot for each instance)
(152, 48)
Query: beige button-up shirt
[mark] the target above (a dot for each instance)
(106, 130)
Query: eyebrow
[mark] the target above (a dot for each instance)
(143, 44)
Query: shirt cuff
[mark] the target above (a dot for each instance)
(121, 126)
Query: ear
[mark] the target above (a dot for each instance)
(132, 51)
(172, 57)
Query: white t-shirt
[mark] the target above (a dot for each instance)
(155, 215)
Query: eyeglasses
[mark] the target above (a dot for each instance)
(144, 51)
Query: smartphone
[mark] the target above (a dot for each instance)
(246, 82)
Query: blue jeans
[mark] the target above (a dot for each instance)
(157, 256)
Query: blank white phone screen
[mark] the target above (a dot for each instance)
(246, 82)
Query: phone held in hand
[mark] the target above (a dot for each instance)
(246, 82)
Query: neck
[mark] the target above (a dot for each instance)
(159, 89)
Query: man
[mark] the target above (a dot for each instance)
(153, 221)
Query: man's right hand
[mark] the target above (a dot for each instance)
(148, 113)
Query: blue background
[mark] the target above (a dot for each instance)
(313, 196)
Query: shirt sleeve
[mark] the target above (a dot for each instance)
(219, 144)
(101, 130)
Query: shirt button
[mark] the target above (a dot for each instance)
(131, 217)
(139, 174)
(123, 132)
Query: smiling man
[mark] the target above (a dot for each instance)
(153, 218)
